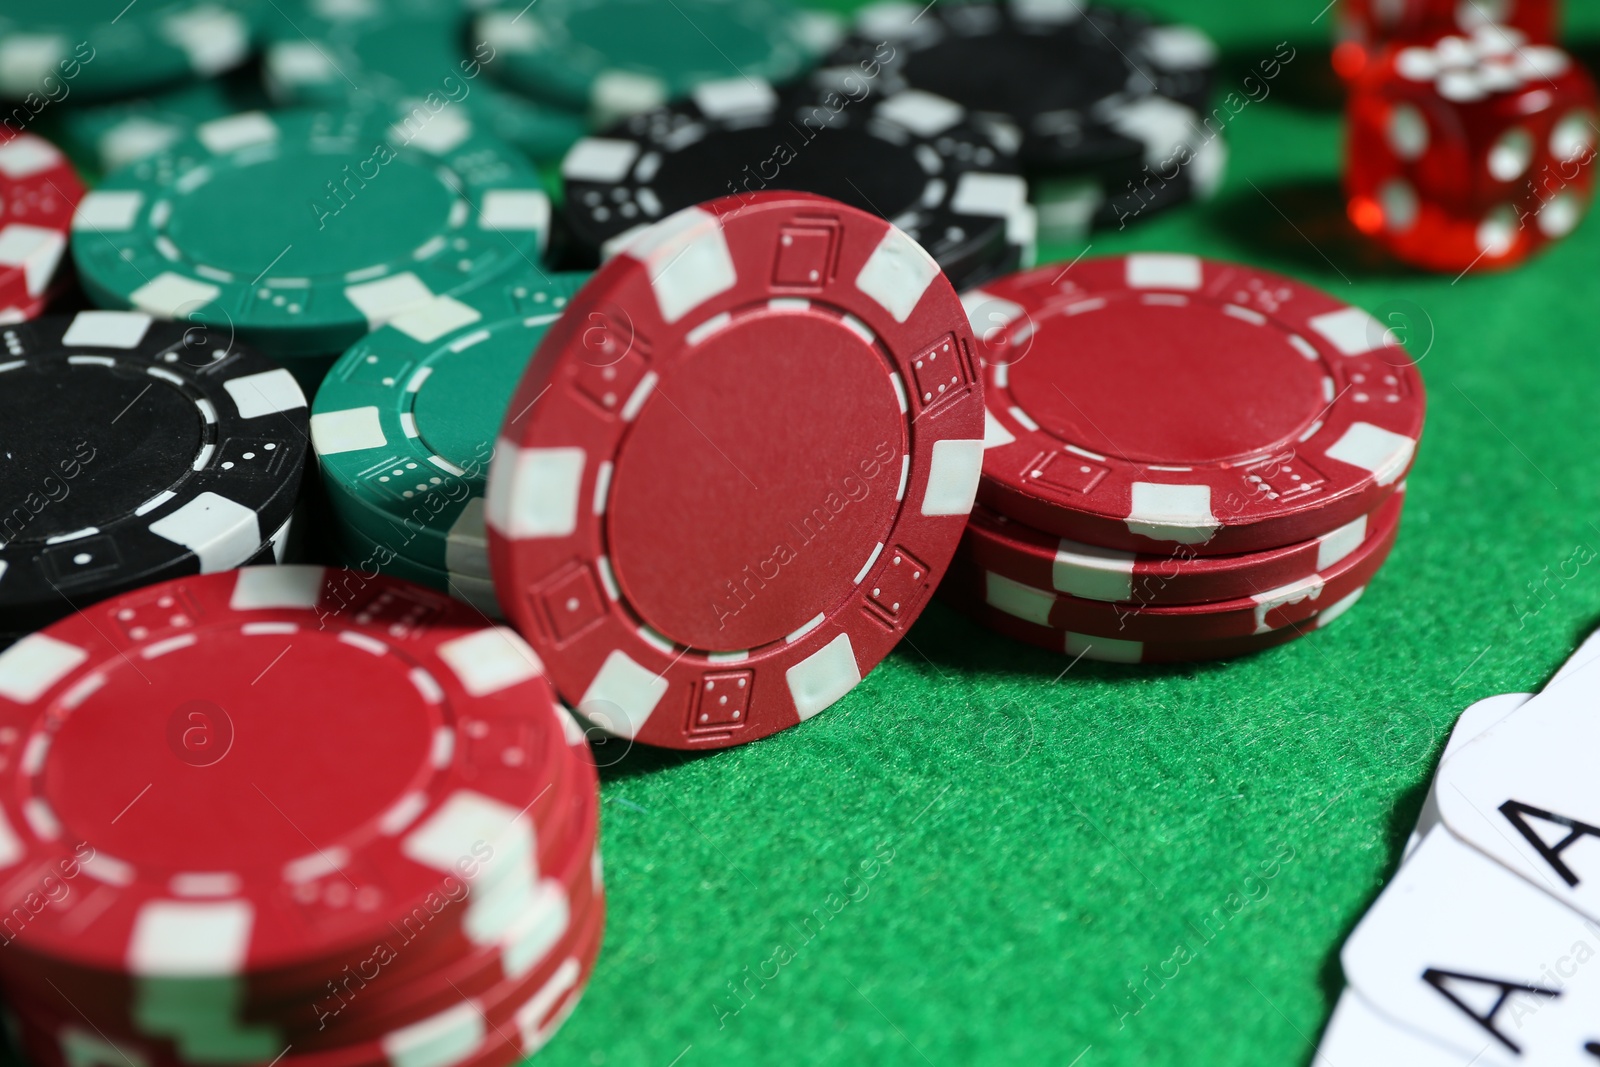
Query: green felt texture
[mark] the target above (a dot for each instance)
(1057, 834)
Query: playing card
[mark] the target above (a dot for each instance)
(1586, 653)
(1526, 791)
(1459, 949)
(1359, 1036)
(1474, 721)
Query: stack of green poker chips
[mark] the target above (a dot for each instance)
(405, 425)
(303, 231)
(414, 54)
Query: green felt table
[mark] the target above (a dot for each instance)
(981, 857)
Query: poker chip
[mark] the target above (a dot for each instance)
(914, 158)
(99, 49)
(612, 58)
(105, 136)
(426, 800)
(393, 556)
(1153, 401)
(1100, 94)
(137, 451)
(1041, 561)
(352, 219)
(1334, 590)
(1115, 650)
(39, 191)
(736, 468)
(404, 425)
(409, 53)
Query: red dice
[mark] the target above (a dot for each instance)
(1364, 27)
(1470, 151)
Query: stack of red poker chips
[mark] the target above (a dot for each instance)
(291, 815)
(1184, 459)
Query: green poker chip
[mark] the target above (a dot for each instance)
(371, 556)
(404, 425)
(92, 49)
(413, 55)
(303, 231)
(614, 58)
(104, 136)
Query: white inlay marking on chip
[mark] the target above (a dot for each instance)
(1016, 599)
(221, 532)
(515, 210)
(244, 130)
(622, 696)
(260, 588)
(268, 393)
(1167, 512)
(1092, 572)
(434, 319)
(1154, 270)
(350, 430)
(688, 259)
(167, 296)
(534, 492)
(897, 274)
(953, 477)
(1352, 331)
(490, 660)
(1372, 448)
(820, 679)
(382, 300)
(34, 664)
(108, 211)
(188, 938)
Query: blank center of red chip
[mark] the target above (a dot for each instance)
(750, 549)
(240, 773)
(1173, 363)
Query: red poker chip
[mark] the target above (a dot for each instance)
(39, 192)
(556, 915)
(1333, 590)
(501, 1027)
(238, 819)
(1114, 650)
(1148, 401)
(736, 469)
(1023, 554)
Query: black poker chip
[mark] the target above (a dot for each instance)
(1108, 105)
(132, 451)
(914, 158)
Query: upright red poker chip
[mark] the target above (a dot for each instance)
(1023, 554)
(254, 771)
(39, 192)
(736, 469)
(1148, 401)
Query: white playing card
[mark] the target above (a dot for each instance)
(1587, 653)
(1359, 1036)
(1526, 791)
(1474, 721)
(1459, 949)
